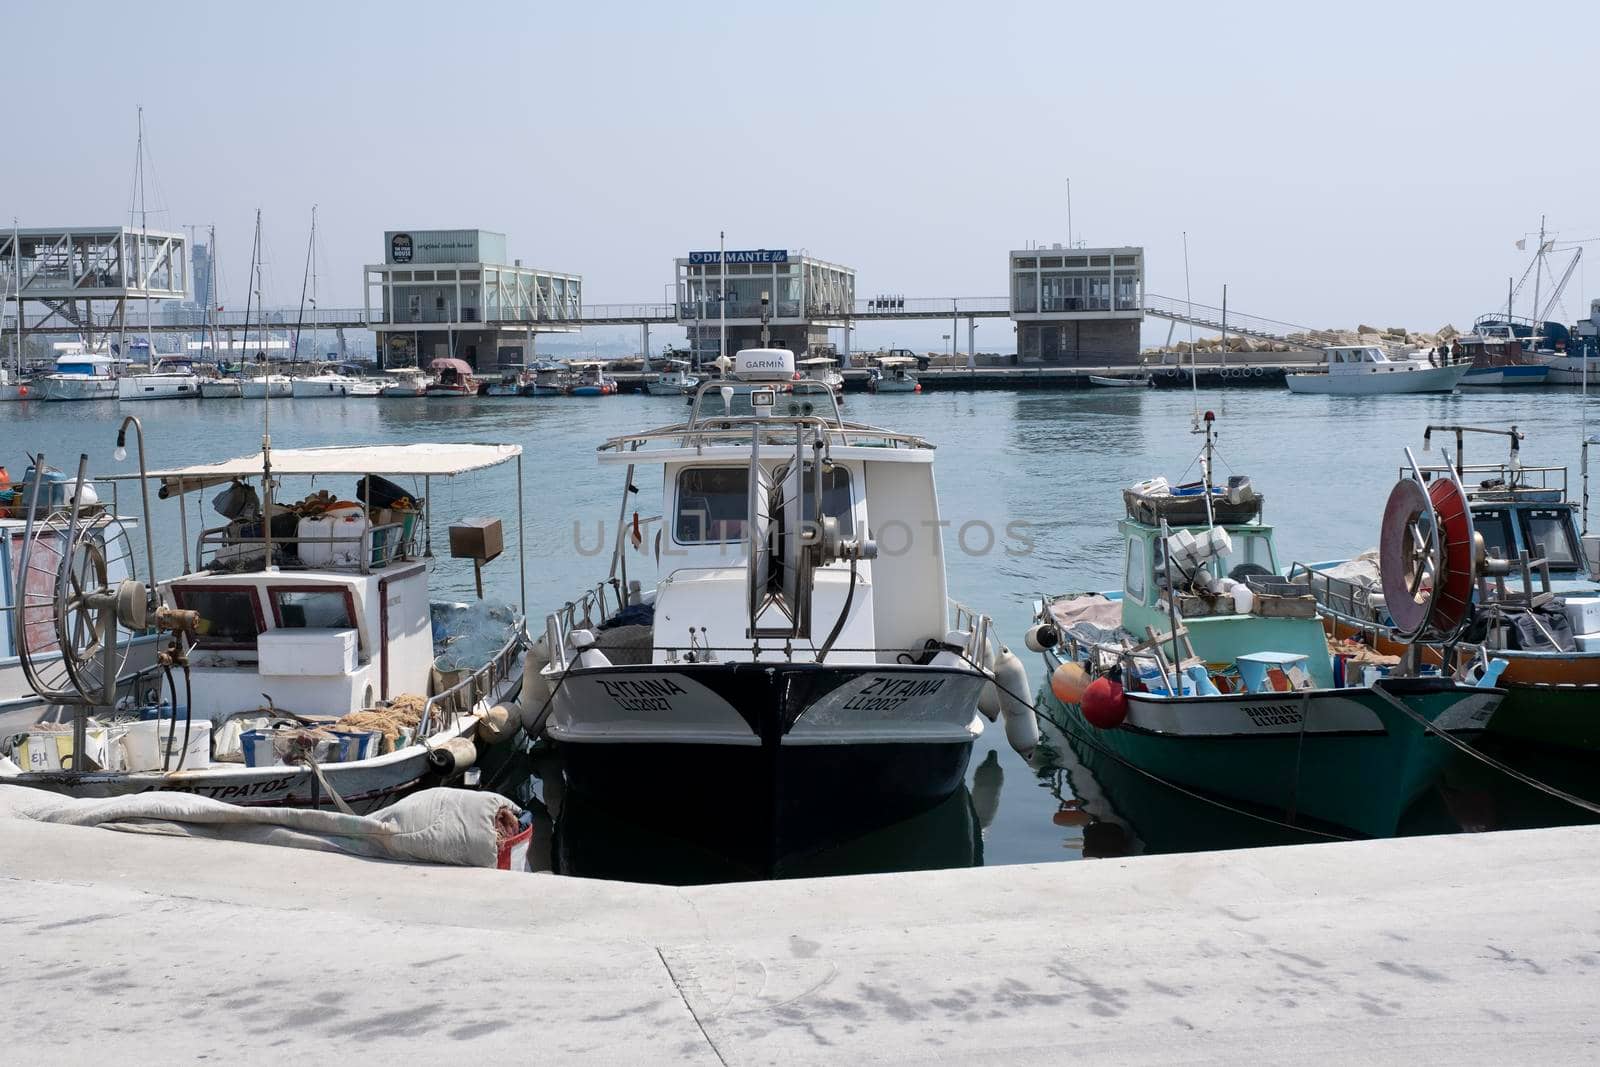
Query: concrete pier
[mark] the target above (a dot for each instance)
(140, 949)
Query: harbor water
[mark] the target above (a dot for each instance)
(1030, 485)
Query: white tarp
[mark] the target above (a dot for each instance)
(389, 461)
(448, 826)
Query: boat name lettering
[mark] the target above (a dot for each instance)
(643, 694)
(1274, 714)
(886, 694)
(230, 792)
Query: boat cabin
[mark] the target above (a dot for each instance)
(1365, 359)
(746, 484)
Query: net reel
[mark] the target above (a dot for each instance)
(1428, 556)
(75, 613)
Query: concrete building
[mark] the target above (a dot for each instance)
(457, 293)
(805, 298)
(1079, 306)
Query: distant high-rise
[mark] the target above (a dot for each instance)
(203, 273)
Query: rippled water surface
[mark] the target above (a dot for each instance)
(1052, 461)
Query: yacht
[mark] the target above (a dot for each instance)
(324, 383)
(262, 386)
(780, 658)
(1365, 370)
(221, 388)
(169, 379)
(81, 376)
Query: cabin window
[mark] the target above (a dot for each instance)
(713, 504)
(1133, 580)
(1548, 532)
(1495, 525)
(229, 618)
(321, 609)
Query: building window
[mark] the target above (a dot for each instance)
(1099, 261)
(1026, 262)
(1026, 293)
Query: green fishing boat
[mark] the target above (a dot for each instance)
(1209, 670)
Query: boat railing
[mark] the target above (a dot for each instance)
(740, 430)
(1341, 596)
(978, 627)
(1480, 479)
(376, 547)
(465, 692)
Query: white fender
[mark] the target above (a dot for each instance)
(1022, 727)
(988, 696)
(1040, 636)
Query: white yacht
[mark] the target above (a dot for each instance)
(221, 388)
(324, 383)
(261, 386)
(169, 379)
(780, 658)
(81, 376)
(305, 663)
(1365, 370)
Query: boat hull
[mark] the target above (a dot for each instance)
(897, 387)
(255, 389)
(1502, 377)
(793, 751)
(157, 387)
(1343, 757)
(222, 389)
(1431, 380)
(63, 388)
(314, 389)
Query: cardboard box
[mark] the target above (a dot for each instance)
(478, 539)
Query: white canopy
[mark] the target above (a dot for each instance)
(423, 460)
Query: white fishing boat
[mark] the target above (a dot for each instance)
(1368, 370)
(892, 374)
(81, 376)
(674, 381)
(1114, 381)
(549, 379)
(824, 369)
(302, 664)
(511, 382)
(779, 655)
(169, 379)
(408, 382)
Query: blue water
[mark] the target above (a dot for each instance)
(1052, 461)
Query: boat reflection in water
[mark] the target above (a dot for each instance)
(595, 837)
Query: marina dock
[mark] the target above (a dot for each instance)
(1379, 951)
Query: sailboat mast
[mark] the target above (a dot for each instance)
(144, 245)
(1538, 269)
(722, 292)
(211, 290)
(316, 331)
(16, 276)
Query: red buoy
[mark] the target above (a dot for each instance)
(1104, 704)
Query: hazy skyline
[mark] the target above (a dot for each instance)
(1365, 162)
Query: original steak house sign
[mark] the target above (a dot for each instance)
(753, 255)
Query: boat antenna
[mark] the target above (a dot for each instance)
(1194, 374)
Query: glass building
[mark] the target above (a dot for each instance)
(453, 293)
(1078, 305)
(805, 298)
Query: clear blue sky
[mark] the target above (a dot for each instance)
(1330, 162)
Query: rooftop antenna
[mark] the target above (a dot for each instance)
(1069, 214)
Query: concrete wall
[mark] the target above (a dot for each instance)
(1087, 343)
